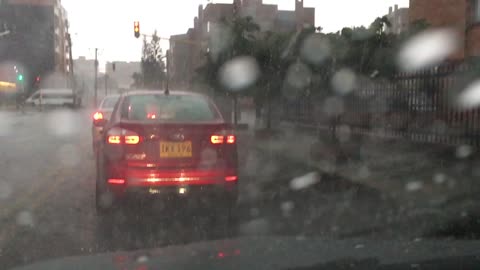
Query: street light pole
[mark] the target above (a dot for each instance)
(167, 90)
(95, 84)
(106, 81)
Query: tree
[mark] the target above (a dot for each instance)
(365, 51)
(230, 39)
(152, 65)
(241, 34)
(269, 51)
(137, 80)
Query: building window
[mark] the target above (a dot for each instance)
(208, 27)
(476, 11)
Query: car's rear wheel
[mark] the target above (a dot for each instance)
(104, 199)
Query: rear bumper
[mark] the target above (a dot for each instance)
(171, 182)
(200, 194)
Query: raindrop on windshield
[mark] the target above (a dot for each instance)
(254, 212)
(305, 181)
(463, 151)
(343, 133)
(62, 123)
(414, 186)
(5, 124)
(142, 259)
(439, 178)
(343, 81)
(359, 246)
(5, 190)
(256, 226)
(439, 127)
(299, 76)
(363, 172)
(25, 218)
(287, 208)
(68, 155)
(315, 49)
(427, 49)
(333, 106)
(239, 73)
(470, 97)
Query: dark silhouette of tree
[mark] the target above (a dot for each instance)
(152, 65)
(137, 80)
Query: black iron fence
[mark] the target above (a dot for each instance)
(421, 106)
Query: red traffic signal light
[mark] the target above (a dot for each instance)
(136, 29)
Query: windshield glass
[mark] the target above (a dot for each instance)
(238, 131)
(176, 108)
(109, 102)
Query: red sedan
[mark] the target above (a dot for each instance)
(166, 145)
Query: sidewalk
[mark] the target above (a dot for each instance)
(395, 166)
(429, 183)
(8, 108)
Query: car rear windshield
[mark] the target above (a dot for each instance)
(171, 108)
(109, 102)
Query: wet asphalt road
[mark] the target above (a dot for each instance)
(47, 197)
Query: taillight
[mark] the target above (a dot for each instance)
(122, 136)
(116, 181)
(231, 139)
(221, 139)
(132, 139)
(114, 139)
(216, 139)
(231, 178)
(98, 116)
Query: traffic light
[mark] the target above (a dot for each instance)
(136, 29)
(20, 77)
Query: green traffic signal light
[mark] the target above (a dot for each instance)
(20, 77)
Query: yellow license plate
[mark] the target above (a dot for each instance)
(176, 149)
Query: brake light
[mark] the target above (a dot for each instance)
(112, 139)
(231, 178)
(98, 116)
(116, 181)
(231, 139)
(221, 139)
(122, 136)
(216, 139)
(132, 139)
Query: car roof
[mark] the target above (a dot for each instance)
(111, 96)
(162, 92)
(55, 90)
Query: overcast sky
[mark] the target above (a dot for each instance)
(108, 24)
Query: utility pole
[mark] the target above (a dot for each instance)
(70, 65)
(106, 80)
(95, 84)
(167, 91)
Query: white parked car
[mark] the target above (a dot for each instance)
(52, 97)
